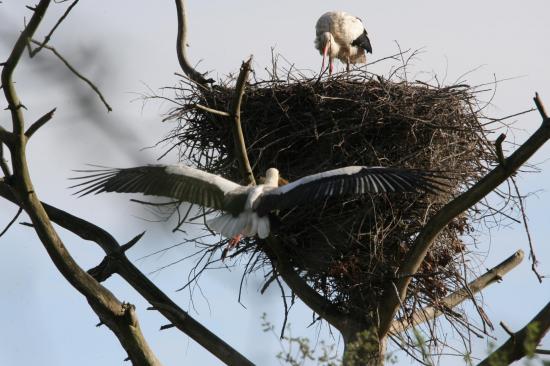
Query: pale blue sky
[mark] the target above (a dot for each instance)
(128, 46)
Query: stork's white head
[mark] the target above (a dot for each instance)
(272, 177)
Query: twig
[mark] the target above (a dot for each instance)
(523, 342)
(498, 146)
(211, 110)
(39, 123)
(488, 278)
(532, 255)
(507, 329)
(238, 137)
(12, 221)
(76, 73)
(49, 35)
(181, 47)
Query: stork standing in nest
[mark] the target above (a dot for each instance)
(247, 208)
(341, 35)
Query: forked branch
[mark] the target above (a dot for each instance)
(522, 343)
(122, 266)
(118, 316)
(181, 47)
(395, 292)
(488, 278)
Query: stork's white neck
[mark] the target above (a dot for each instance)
(272, 177)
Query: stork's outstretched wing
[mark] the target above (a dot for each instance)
(176, 181)
(347, 181)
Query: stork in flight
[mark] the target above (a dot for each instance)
(342, 36)
(246, 208)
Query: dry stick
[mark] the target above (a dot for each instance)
(182, 44)
(431, 312)
(119, 317)
(390, 299)
(11, 222)
(211, 110)
(297, 284)
(49, 35)
(532, 255)
(76, 73)
(523, 342)
(121, 265)
(238, 137)
(39, 123)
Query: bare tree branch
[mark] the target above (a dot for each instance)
(14, 105)
(306, 293)
(522, 343)
(57, 24)
(120, 264)
(11, 221)
(488, 278)
(119, 317)
(391, 299)
(238, 137)
(181, 47)
(76, 73)
(39, 123)
(211, 110)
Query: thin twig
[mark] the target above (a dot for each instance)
(12, 221)
(211, 110)
(532, 255)
(181, 47)
(76, 73)
(39, 123)
(238, 137)
(49, 35)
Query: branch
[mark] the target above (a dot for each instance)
(181, 47)
(299, 286)
(121, 265)
(39, 123)
(14, 105)
(5, 136)
(238, 137)
(522, 343)
(3, 163)
(119, 317)
(391, 298)
(493, 275)
(49, 35)
(76, 73)
(11, 222)
(211, 110)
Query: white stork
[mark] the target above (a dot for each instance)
(342, 36)
(247, 207)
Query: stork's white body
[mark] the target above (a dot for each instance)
(248, 222)
(336, 31)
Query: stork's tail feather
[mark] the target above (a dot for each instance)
(246, 224)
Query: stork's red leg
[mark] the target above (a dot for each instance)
(325, 50)
(233, 242)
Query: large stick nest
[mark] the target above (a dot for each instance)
(349, 249)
